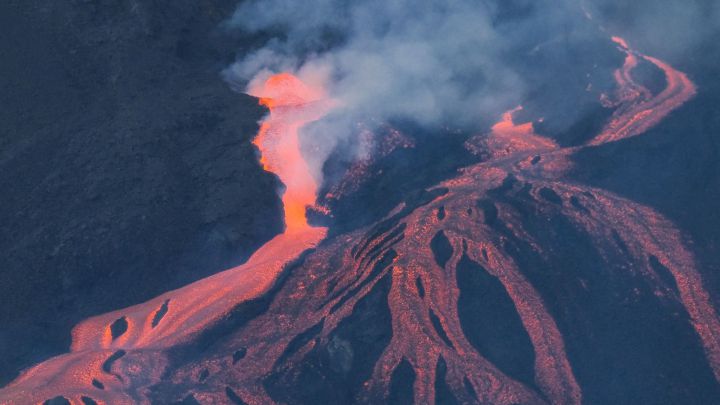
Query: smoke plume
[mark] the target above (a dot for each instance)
(435, 63)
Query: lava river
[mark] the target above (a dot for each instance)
(113, 356)
(486, 288)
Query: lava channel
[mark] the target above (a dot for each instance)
(124, 351)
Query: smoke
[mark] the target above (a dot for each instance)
(671, 29)
(435, 62)
(431, 62)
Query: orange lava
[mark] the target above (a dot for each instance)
(423, 293)
(639, 110)
(174, 317)
(292, 105)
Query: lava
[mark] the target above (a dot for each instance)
(279, 144)
(102, 344)
(487, 222)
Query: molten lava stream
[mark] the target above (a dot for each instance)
(639, 110)
(107, 349)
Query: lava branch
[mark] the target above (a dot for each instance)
(292, 104)
(638, 110)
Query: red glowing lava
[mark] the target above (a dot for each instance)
(639, 110)
(481, 217)
(292, 105)
(133, 356)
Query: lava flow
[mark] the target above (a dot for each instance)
(487, 288)
(116, 355)
(278, 140)
(388, 309)
(639, 110)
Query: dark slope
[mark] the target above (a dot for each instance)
(125, 165)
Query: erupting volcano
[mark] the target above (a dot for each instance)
(504, 284)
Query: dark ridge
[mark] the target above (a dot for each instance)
(160, 313)
(299, 341)
(334, 371)
(59, 400)
(485, 254)
(535, 160)
(491, 323)
(524, 192)
(332, 284)
(637, 351)
(490, 211)
(649, 76)
(395, 236)
(107, 364)
(439, 329)
(118, 327)
(235, 320)
(469, 388)
(381, 265)
(88, 401)
(420, 288)
(204, 375)
(621, 243)
(575, 202)
(232, 396)
(97, 384)
(441, 213)
(550, 195)
(443, 393)
(369, 329)
(582, 130)
(401, 384)
(404, 171)
(413, 200)
(389, 236)
(239, 354)
(188, 400)
(441, 248)
(507, 185)
(664, 273)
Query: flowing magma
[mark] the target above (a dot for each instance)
(147, 329)
(491, 226)
(292, 105)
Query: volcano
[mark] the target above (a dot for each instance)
(509, 279)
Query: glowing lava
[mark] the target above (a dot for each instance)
(124, 351)
(638, 109)
(487, 223)
(292, 105)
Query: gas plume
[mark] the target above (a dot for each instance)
(457, 63)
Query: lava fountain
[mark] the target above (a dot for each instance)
(292, 105)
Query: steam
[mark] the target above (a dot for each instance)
(431, 62)
(434, 62)
(425, 61)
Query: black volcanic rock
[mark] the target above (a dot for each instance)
(125, 162)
